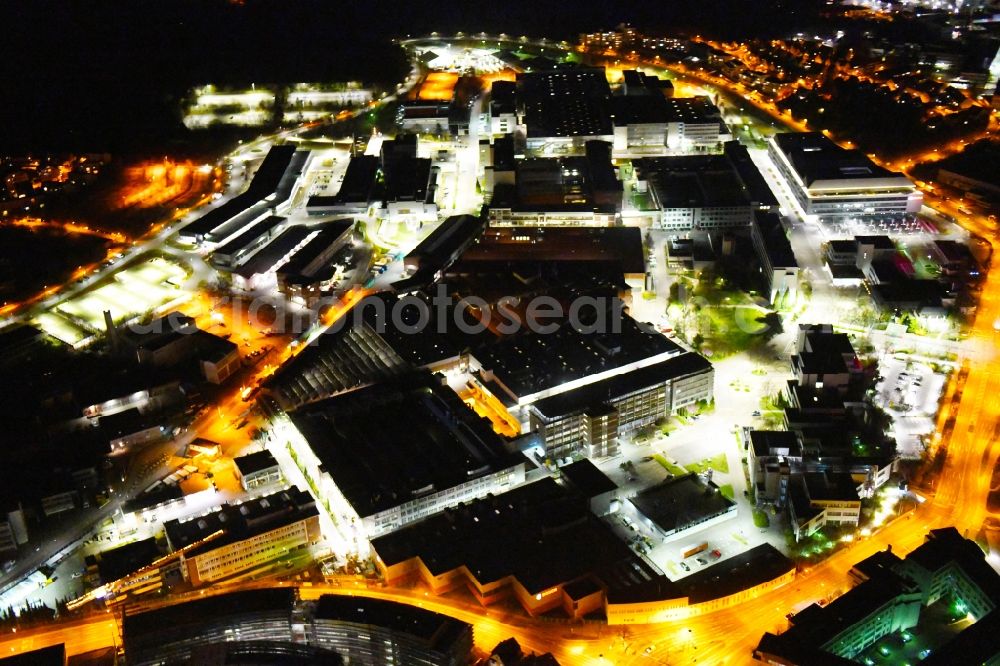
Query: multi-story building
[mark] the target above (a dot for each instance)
(571, 190)
(560, 110)
(590, 419)
(891, 596)
(695, 124)
(381, 457)
(817, 499)
(272, 626)
(843, 188)
(503, 107)
(704, 192)
(257, 469)
(775, 255)
(373, 632)
(242, 536)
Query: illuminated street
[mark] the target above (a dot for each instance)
(309, 361)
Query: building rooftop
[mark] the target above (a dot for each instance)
(775, 240)
(500, 246)
(529, 362)
(830, 487)
(250, 236)
(239, 521)
(123, 561)
(692, 110)
(822, 164)
(774, 442)
(616, 386)
(269, 257)
(946, 545)
(444, 245)
(750, 568)
(410, 436)
(54, 655)
(329, 233)
(264, 183)
(883, 243)
(358, 186)
(255, 462)
(212, 348)
(565, 102)
(503, 97)
(408, 179)
(757, 189)
(681, 502)
(510, 534)
(434, 629)
(639, 110)
(557, 183)
(587, 479)
(219, 608)
(693, 181)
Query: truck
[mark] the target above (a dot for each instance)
(692, 549)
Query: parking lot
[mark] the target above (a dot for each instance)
(909, 392)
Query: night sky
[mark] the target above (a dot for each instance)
(110, 75)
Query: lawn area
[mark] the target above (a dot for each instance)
(718, 463)
(676, 470)
(727, 491)
(731, 329)
(760, 518)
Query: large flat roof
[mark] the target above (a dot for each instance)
(220, 608)
(531, 362)
(693, 181)
(239, 521)
(678, 503)
(434, 629)
(775, 240)
(621, 246)
(542, 534)
(264, 183)
(387, 444)
(443, 245)
(358, 185)
(408, 179)
(820, 163)
(267, 257)
(566, 102)
(329, 233)
(250, 235)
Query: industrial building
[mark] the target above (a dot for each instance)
(843, 188)
(560, 110)
(267, 194)
(240, 537)
(381, 457)
(680, 506)
(539, 544)
(704, 192)
(571, 190)
(273, 626)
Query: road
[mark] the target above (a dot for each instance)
(726, 636)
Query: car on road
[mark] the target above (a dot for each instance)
(685, 566)
(756, 412)
(716, 553)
